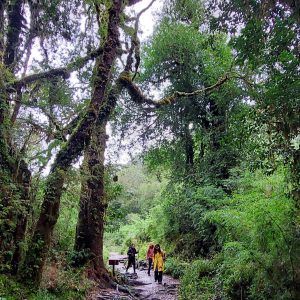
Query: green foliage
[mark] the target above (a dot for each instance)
(9, 287)
(134, 214)
(60, 279)
(135, 230)
(258, 255)
(216, 197)
(11, 207)
(133, 194)
(175, 267)
(185, 56)
(79, 258)
(63, 238)
(186, 11)
(267, 45)
(58, 283)
(158, 224)
(187, 59)
(198, 282)
(193, 236)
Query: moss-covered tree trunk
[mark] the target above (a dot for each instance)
(93, 202)
(15, 182)
(24, 183)
(39, 245)
(2, 8)
(90, 227)
(15, 177)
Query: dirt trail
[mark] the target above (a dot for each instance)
(148, 289)
(141, 287)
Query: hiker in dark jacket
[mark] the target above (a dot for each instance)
(131, 257)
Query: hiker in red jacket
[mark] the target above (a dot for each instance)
(150, 253)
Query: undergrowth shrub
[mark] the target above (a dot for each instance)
(10, 289)
(198, 281)
(180, 219)
(58, 283)
(256, 228)
(175, 267)
(59, 279)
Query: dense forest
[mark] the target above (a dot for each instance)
(207, 108)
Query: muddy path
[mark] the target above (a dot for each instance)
(140, 286)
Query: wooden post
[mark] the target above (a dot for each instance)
(113, 262)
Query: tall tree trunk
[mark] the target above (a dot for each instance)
(15, 178)
(219, 163)
(24, 182)
(15, 203)
(2, 8)
(14, 30)
(90, 227)
(39, 245)
(93, 203)
(189, 149)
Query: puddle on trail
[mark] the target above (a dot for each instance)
(142, 287)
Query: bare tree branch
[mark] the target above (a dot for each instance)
(135, 44)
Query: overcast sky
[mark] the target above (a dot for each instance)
(147, 20)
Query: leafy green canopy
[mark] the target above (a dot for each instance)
(180, 57)
(268, 44)
(184, 56)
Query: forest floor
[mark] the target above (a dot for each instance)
(140, 286)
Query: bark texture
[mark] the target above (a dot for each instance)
(90, 228)
(15, 180)
(14, 30)
(93, 202)
(24, 182)
(14, 174)
(2, 8)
